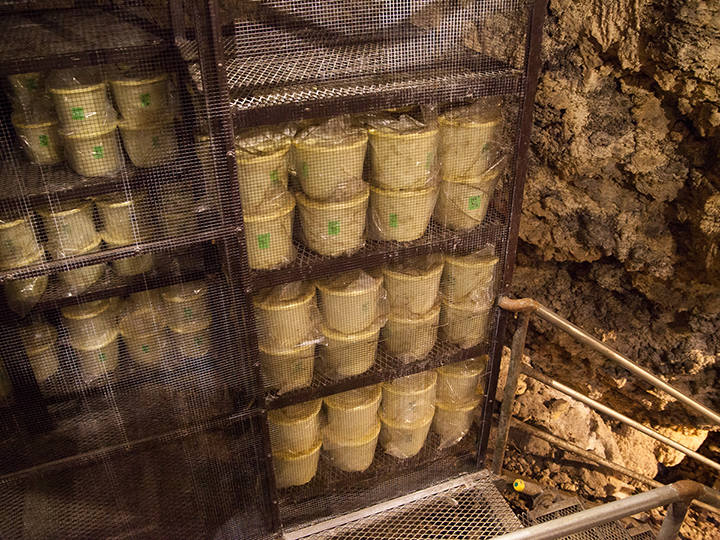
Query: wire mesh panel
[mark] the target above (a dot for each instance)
(470, 507)
(128, 405)
(567, 507)
(201, 485)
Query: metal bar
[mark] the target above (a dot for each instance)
(590, 341)
(590, 456)
(587, 519)
(674, 518)
(616, 415)
(518, 344)
(532, 72)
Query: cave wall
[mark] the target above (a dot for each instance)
(621, 215)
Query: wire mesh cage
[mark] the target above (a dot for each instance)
(249, 254)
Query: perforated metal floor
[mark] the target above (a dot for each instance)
(608, 531)
(469, 506)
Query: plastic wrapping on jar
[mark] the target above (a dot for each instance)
(91, 324)
(75, 281)
(96, 153)
(186, 305)
(28, 91)
(125, 217)
(463, 205)
(353, 301)
(334, 228)
(352, 414)
(142, 94)
(98, 359)
(69, 226)
(143, 332)
(40, 341)
(81, 100)
(400, 215)
(459, 383)
(23, 294)
(37, 130)
(452, 422)
(413, 286)
(404, 439)
(467, 137)
(286, 369)
(329, 159)
(296, 468)
(470, 278)
(345, 355)
(286, 316)
(402, 151)
(351, 454)
(262, 156)
(269, 235)
(411, 338)
(464, 325)
(409, 399)
(151, 142)
(18, 240)
(295, 428)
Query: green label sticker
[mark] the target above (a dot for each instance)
(485, 147)
(77, 113)
(263, 241)
(275, 177)
(333, 228)
(98, 152)
(198, 341)
(145, 348)
(156, 142)
(393, 221)
(101, 356)
(188, 312)
(305, 169)
(44, 140)
(144, 100)
(32, 84)
(474, 202)
(428, 162)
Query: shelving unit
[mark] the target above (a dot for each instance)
(153, 429)
(194, 439)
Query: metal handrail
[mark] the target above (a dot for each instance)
(525, 307)
(678, 496)
(528, 305)
(564, 526)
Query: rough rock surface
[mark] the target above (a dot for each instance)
(621, 218)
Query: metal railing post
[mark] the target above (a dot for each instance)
(674, 518)
(518, 345)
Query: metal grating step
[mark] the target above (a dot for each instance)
(566, 507)
(469, 506)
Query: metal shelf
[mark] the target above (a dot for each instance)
(310, 265)
(45, 41)
(385, 368)
(258, 106)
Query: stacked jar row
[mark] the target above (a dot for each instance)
(444, 168)
(93, 331)
(398, 414)
(70, 228)
(408, 305)
(69, 114)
